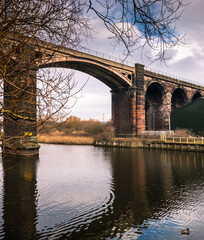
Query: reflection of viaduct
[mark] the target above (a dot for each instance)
(145, 183)
(141, 99)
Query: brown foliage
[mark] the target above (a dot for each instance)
(74, 126)
(183, 133)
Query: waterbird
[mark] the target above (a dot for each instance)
(185, 231)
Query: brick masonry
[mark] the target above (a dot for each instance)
(174, 95)
(123, 111)
(133, 112)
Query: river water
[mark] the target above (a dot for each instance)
(86, 192)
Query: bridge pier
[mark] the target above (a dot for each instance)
(124, 111)
(19, 109)
(166, 110)
(128, 106)
(140, 99)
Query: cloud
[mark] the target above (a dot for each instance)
(188, 61)
(94, 101)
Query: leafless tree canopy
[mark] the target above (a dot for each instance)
(22, 21)
(135, 23)
(58, 21)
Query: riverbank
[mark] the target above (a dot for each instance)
(68, 140)
(178, 144)
(173, 143)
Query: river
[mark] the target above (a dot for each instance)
(86, 192)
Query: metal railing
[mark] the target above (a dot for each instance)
(183, 140)
(173, 76)
(108, 57)
(131, 64)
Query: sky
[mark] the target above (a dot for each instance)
(94, 101)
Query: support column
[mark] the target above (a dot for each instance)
(19, 109)
(166, 111)
(140, 99)
(124, 111)
(133, 110)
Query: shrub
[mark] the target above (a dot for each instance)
(107, 133)
(74, 126)
(183, 133)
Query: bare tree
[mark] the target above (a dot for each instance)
(140, 23)
(26, 25)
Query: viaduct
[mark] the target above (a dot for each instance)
(141, 99)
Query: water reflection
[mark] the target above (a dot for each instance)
(157, 193)
(19, 200)
(95, 193)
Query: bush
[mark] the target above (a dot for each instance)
(74, 126)
(107, 133)
(183, 133)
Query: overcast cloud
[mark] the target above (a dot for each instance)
(186, 61)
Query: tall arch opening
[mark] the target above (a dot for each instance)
(153, 107)
(178, 99)
(121, 100)
(196, 96)
(64, 93)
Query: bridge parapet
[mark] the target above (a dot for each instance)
(171, 78)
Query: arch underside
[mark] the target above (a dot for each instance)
(179, 99)
(108, 76)
(196, 96)
(154, 107)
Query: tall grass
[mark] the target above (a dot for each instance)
(69, 140)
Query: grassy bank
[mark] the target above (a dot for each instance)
(69, 140)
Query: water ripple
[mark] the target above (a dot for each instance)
(85, 214)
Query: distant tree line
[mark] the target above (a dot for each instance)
(74, 126)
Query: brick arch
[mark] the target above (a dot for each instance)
(179, 98)
(156, 82)
(154, 97)
(197, 94)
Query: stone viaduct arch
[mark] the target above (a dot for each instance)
(111, 77)
(178, 99)
(116, 77)
(153, 106)
(196, 95)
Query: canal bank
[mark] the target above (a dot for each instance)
(178, 144)
(190, 144)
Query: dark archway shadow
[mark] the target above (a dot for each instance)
(196, 96)
(179, 99)
(153, 107)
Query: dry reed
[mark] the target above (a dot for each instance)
(69, 140)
